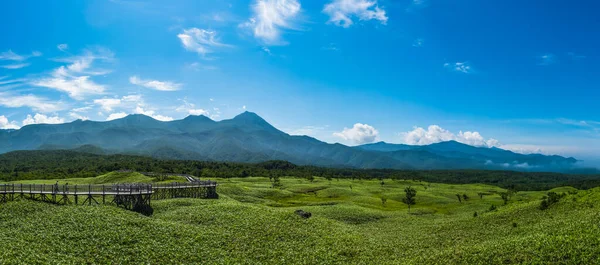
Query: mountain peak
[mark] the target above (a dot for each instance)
(251, 120)
(198, 118)
(247, 115)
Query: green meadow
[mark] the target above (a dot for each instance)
(353, 222)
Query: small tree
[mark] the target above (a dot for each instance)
(505, 197)
(276, 182)
(465, 197)
(409, 197)
(552, 198)
(459, 198)
(475, 214)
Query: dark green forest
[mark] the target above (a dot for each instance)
(60, 164)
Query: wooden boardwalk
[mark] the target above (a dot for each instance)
(129, 196)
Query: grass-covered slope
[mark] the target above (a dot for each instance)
(253, 223)
(108, 178)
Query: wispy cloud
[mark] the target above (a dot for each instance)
(200, 41)
(270, 18)
(359, 134)
(74, 78)
(416, 5)
(18, 59)
(34, 102)
(461, 67)
(307, 130)
(129, 102)
(196, 66)
(11, 56)
(575, 56)
(342, 12)
(418, 43)
(155, 84)
(152, 113)
(331, 47)
(62, 47)
(547, 59)
(192, 109)
(15, 66)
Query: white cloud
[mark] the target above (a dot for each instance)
(267, 50)
(191, 109)
(32, 101)
(42, 119)
(19, 59)
(15, 66)
(462, 67)
(78, 116)
(155, 84)
(114, 116)
(196, 66)
(436, 134)
(62, 47)
(82, 109)
(132, 98)
(108, 104)
(151, 113)
(547, 59)
(341, 12)
(6, 124)
(359, 134)
(74, 79)
(418, 43)
(200, 41)
(11, 56)
(524, 149)
(198, 112)
(270, 18)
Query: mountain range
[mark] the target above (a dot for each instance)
(249, 138)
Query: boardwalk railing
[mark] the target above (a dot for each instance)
(114, 189)
(130, 196)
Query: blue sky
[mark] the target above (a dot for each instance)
(520, 75)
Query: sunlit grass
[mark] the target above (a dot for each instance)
(254, 223)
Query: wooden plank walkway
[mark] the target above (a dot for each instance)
(129, 196)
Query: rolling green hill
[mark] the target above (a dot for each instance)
(254, 223)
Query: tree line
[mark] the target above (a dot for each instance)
(60, 164)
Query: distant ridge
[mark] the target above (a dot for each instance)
(249, 138)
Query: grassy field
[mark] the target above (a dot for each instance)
(255, 223)
(109, 178)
